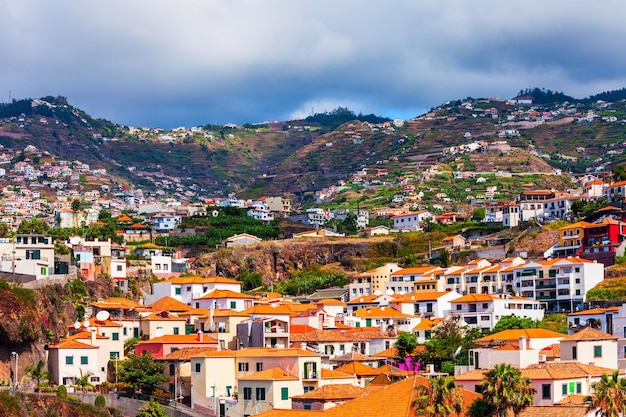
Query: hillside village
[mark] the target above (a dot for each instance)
(231, 352)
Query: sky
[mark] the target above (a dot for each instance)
(170, 63)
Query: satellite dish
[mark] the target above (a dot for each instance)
(77, 325)
(86, 323)
(378, 292)
(102, 315)
(75, 240)
(389, 292)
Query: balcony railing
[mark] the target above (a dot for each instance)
(546, 286)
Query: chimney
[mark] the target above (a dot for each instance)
(92, 330)
(522, 343)
(199, 338)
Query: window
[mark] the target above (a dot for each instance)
(260, 394)
(188, 289)
(247, 393)
(33, 254)
(259, 366)
(574, 352)
(166, 267)
(125, 330)
(115, 336)
(307, 406)
(84, 360)
(577, 269)
(307, 389)
(174, 349)
(119, 268)
(284, 393)
(597, 351)
(173, 369)
(177, 290)
(157, 267)
(69, 360)
(198, 367)
(244, 367)
(114, 355)
(459, 307)
(564, 389)
(545, 391)
(176, 331)
(485, 305)
(233, 305)
(579, 387)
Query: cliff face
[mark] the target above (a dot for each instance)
(275, 260)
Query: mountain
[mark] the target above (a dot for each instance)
(305, 155)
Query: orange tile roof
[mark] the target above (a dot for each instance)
(365, 299)
(268, 309)
(301, 329)
(215, 294)
(194, 279)
(352, 357)
(589, 333)
(548, 371)
(331, 302)
(560, 411)
(514, 334)
(413, 271)
(379, 312)
(124, 218)
(321, 336)
(553, 351)
(336, 392)
(71, 344)
(572, 399)
(116, 303)
(168, 303)
(358, 369)
(185, 354)
(594, 311)
(428, 324)
(226, 312)
(272, 374)
(163, 316)
(334, 374)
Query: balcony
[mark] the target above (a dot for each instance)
(563, 282)
(545, 297)
(546, 286)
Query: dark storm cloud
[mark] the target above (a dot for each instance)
(168, 63)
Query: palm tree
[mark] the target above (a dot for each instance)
(609, 396)
(441, 398)
(38, 372)
(504, 390)
(83, 381)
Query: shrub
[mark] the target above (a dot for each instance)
(62, 392)
(100, 401)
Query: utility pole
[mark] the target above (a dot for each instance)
(16, 356)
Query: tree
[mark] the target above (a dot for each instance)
(100, 401)
(152, 409)
(514, 322)
(405, 344)
(505, 390)
(4, 230)
(609, 396)
(141, 372)
(83, 381)
(444, 258)
(38, 372)
(478, 215)
(441, 398)
(33, 225)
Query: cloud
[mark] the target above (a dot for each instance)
(192, 62)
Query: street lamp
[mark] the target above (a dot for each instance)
(16, 356)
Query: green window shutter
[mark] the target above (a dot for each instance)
(284, 393)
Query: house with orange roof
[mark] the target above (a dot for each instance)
(385, 318)
(163, 345)
(224, 299)
(425, 304)
(552, 381)
(369, 301)
(591, 346)
(615, 191)
(317, 318)
(535, 338)
(602, 319)
(327, 396)
(251, 379)
(485, 310)
(373, 280)
(392, 400)
(423, 330)
(455, 242)
(73, 357)
(29, 254)
(561, 283)
(362, 372)
(153, 325)
(188, 288)
(403, 280)
(594, 241)
(518, 355)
